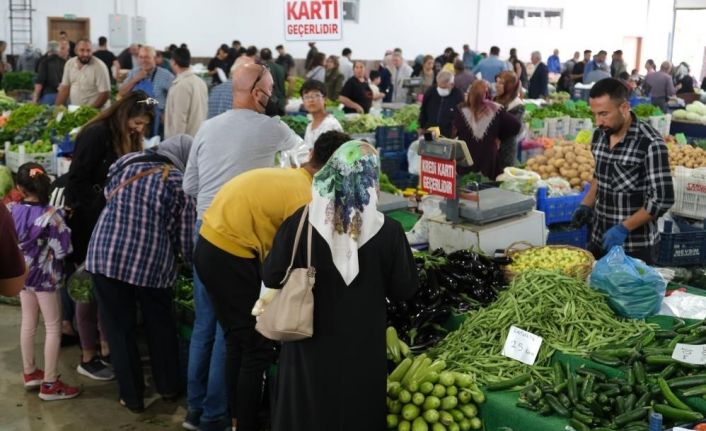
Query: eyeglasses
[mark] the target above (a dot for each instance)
(315, 96)
(150, 101)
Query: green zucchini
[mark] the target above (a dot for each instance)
(675, 414)
(688, 381)
(508, 384)
(630, 416)
(694, 390)
(557, 406)
(669, 396)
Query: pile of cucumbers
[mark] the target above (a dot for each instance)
(650, 380)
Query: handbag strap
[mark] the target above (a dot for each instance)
(165, 173)
(296, 244)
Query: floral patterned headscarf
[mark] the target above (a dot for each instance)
(344, 204)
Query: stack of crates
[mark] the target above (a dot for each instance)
(557, 215)
(391, 143)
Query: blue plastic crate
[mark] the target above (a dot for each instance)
(559, 209)
(686, 247)
(635, 100)
(390, 138)
(393, 162)
(561, 236)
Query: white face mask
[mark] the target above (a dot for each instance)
(443, 92)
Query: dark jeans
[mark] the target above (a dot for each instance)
(234, 285)
(647, 254)
(118, 306)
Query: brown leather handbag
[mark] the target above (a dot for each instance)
(290, 314)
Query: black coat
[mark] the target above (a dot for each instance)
(87, 175)
(539, 82)
(336, 379)
(439, 111)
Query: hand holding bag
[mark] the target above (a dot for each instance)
(290, 314)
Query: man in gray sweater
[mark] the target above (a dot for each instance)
(225, 146)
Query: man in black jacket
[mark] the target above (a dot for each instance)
(539, 82)
(439, 104)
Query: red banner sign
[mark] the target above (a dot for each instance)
(313, 20)
(439, 177)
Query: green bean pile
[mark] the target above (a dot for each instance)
(569, 315)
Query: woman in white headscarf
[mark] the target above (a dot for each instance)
(147, 226)
(361, 257)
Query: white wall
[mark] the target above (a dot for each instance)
(594, 25)
(416, 26)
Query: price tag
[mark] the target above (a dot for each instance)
(694, 354)
(522, 346)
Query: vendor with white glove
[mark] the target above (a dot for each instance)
(632, 183)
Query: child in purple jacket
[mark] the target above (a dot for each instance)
(45, 241)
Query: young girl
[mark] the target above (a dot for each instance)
(45, 241)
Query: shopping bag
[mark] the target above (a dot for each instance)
(633, 289)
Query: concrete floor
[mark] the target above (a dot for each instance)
(96, 408)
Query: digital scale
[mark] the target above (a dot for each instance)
(412, 85)
(484, 205)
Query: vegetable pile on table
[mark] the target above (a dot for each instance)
(71, 120)
(297, 123)
(569, 315)
(648, 378)
(687, 156)
(448, 284)
(556, 110)
(423, 396)
(645, 111)
(407, 116)
(573, 162)
(695, 112)
(365, 123)
(567, 260)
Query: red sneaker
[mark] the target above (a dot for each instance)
(57, 391)
(34, 379)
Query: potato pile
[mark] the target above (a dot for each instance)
(687, 156)
(571, 161)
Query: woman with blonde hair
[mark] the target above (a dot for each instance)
(483, 125)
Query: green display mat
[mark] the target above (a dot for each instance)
(406, 218)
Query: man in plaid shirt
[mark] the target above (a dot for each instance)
(632, 183)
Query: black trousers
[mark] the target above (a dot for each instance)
(117, 302)
(233, 283)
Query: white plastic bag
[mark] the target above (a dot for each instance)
(429, 206)
(414, 160)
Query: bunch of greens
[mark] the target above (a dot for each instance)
(72, 120)
(365, 123)
(297, 123)
(22, 116)
(646, 110)
(36, 129)
(407, 117)
(7, 103)
(18, 81)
